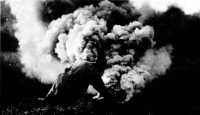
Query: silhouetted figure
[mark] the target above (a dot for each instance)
(74, 83)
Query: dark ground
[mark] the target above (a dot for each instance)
(176, 93)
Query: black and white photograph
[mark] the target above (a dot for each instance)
(100, 57)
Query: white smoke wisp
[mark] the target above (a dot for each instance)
(156, 61)
(33, 46)
(188, 6)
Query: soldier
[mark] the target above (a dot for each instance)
(74, 83)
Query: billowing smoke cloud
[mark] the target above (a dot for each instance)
(125, 75)
(36, 40)
(87, 34)
(78, 43)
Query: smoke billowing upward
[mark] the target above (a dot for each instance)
(56, 35)
(34, 49)
(87, 34)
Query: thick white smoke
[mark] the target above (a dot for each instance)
(34, 43)
(188, 6)
(72, 46)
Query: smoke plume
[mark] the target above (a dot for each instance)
(34, 47)
(125, 75)
(91, 33)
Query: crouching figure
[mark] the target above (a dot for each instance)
(74, 83)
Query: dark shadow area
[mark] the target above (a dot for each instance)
(177, 91)
(15, 85)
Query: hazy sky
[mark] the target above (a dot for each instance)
(189, 6)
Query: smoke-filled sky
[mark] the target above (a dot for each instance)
(189, 6)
